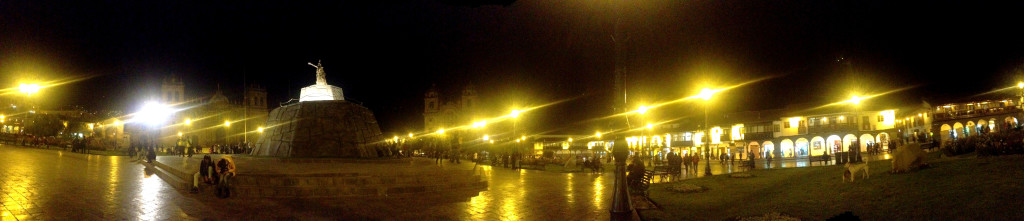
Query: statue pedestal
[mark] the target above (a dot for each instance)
(321, 92)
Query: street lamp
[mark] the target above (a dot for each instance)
(260, 129)
(514, 115)
(706, 95)
(642, 142)
(29, 89)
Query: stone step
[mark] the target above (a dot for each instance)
(357, 181)
(341, 192)
(174, 171)
(173, 180)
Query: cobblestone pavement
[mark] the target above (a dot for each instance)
(58, 185)
(47, 184)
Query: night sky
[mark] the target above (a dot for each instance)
(386, 54)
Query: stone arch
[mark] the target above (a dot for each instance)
(786, 144)
(848, 141)
(866, 139)
(992, 124)
(944, 132)
(883, 139)
(832, 144)
(818, 146)
(958, 130)
(767, 148)
(970, 128)
(752, 147)
(799, 148)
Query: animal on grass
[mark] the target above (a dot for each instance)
(852, 170)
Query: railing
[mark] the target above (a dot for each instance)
(832, 128)
(975, 113)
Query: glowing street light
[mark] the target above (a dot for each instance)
(179, 134)
(410, 135)
(856, 100)
(570, 139)
(486, 137)
(650, 126)
(188, 121)
(29, 89)
(441, 131)
(153, 113)
(524, 138)
(1020, 85)
(706, 94)
(598, 134)
(227, 123)
(260, 129)
(515, 113)
(642, 110)
(396, 138)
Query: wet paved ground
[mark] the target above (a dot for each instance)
(47, 184)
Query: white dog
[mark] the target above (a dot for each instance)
(852, 169)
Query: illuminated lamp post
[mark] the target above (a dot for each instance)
(514, 115)
(643, 148)
(855, 102)
(152, 114)
(706, 95)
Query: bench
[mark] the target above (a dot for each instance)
(663, 171)
(640, 186)
(821, 158)
(747, 164)
(535, 164)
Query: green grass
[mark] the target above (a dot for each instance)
(951, 189)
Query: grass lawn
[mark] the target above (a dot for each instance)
(951, 189)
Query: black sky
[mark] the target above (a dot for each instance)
(386, 54)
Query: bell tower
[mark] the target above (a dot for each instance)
(172, 90)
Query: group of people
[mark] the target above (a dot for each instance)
(215, 173)
(683, 163)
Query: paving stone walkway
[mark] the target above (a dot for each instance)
(39, 184)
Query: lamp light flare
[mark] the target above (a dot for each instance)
(260, 129)
(706, 94)
(514, 114)
(1020, 85)
(642, 110)
(486, 137)
(441, 131)
(598, 134)
(227, 123)
(855, 100)
(650, 126)
(28, 89)
(410, 135)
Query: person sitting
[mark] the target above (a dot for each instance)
(636, 171)
(206, 171)
(226, 170)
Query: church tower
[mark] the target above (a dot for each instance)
(431, 109)
(172, 90)
(255, 97)
(431, 103)
(469, 101)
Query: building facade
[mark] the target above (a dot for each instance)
(208, 120)
(439, 113)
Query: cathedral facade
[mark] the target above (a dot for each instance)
(213, 119)
(439, 113)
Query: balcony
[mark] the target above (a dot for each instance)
(827, 128)
(965, 114)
